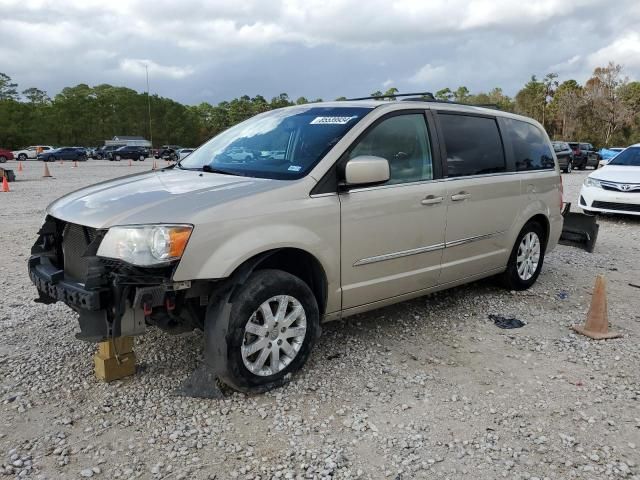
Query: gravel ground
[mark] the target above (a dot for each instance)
(429, 388)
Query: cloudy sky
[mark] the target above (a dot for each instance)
(212, 50)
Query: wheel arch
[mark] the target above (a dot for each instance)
(295, 261)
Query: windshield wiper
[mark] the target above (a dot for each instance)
(210, 169)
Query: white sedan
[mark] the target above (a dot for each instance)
(614, 188)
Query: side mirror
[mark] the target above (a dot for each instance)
(366, 170)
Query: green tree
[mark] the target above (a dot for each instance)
(8, 89)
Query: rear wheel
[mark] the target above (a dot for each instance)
(118, 158)
(526, 258)
(22, 157)
(3, 159)
(273, 326)
(569, 167)
(141, 158)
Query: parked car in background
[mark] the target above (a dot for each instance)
(564, 154)
(129, 153)
(183, 152)
(614, 188)
(584, 155)
(5, 155)
(168, 152)
(606, 154)
(63, 153)
(104, 152)
(31, 152)
(364, 207)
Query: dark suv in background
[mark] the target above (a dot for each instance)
(129, 153)
(564, 154)
(584, 155)
(104, 152)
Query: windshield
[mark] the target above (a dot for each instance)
(282, 144)
(629, 157)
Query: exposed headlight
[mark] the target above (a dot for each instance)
(592, 182)
(145, 245)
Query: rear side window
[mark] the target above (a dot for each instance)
(473, 144)
(530, 147)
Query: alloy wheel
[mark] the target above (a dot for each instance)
(528, 256)
(274, 335)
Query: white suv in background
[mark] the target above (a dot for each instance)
(31, 152)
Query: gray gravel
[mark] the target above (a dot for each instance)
(426, 389)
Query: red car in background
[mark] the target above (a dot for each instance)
(5, 155)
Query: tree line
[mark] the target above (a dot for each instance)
(605, 111)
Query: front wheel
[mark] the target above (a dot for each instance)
(118, 158)
(3, 159)
(22, 157)
(141, 158)
(273, 325)
(527, 256)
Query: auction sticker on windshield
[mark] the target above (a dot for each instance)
(331, 120)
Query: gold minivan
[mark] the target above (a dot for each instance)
(334, 209)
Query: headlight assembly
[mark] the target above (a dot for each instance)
(145, 245)
(592, 182)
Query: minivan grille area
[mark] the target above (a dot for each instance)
(623, 207)
(75, 240)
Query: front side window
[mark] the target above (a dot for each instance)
(403, 141)
(530, 148)
(283, 144)
(473, 144)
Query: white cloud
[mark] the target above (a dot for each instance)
(138, 67)
(624, 50)
(428, 74)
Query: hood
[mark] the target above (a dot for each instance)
(171, 196)
(619, 174)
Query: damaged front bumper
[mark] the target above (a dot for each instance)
(111, 297)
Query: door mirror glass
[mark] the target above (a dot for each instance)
(366, 170)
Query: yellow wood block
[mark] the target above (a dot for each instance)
(118, 345)
(109, 369)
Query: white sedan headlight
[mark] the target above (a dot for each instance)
(592, 182)
(145, 245)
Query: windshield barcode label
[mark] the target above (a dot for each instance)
(331, 120)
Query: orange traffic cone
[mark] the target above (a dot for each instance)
(19, 166)
(5, 183)
(129, 162)
(154, 165)
(46, 173)
(597, 324)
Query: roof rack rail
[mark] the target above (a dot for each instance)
(424, 96)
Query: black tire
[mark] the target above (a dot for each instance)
(117, 158)
(3, 159)
(82, 158)
(52, 158)
(98, 157)
(141, 158)
(22, 157)
(510, 278)
(260, 287)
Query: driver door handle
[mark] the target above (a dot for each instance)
(460, 196)
(431, 200)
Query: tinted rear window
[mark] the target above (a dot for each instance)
(530, 147)
(473, 144)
